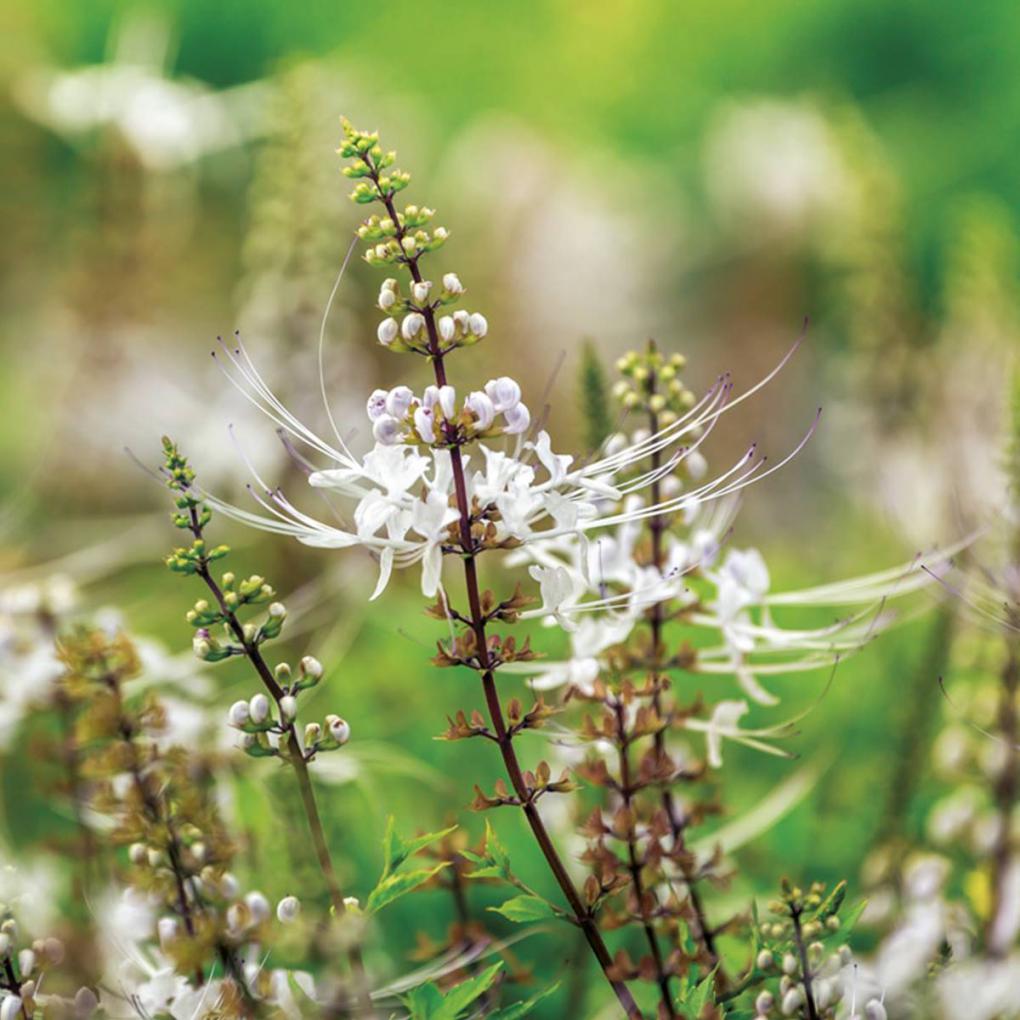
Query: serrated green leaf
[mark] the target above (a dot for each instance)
(486, 871)
(832, 902)
(424, 1002)
(526, 908)
(427, 1002)
(396, 850)
(495, 850)
(520, 1009)
(392, 887)
(702, 992)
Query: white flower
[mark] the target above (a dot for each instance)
(420, 291)
(412, 325)
(452, 284)
(725, 721)
(478, 324)
(424, 424)
(504, 393)
(560, 589)
(430, 519)
(387, 331)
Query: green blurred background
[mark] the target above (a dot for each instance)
(709, 174)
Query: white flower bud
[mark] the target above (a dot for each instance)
(166, 929)
(313, 731)
(277, 610)
(791, 1001)
(452, 284)
(85, 1003)
(26, 962)
(387, 430)
(518, 419)
(339, 729)
(236, 917)
(503, 392)
(258, 906)
(448, 401)
(387, 297)
(421, 291)
(10, 1007)
(696, 464)
(387, 331)
(238, 714)
(412, 325)
(790, 965)
(423, 424)
(311, 667)
(137, 854)
(53, 950)
(874, 1010)
(288, 909)
(229, 886)
(440, 233)
(478, 325)
(398, 400)
(258, 709)
(447, 327)
(823, 994)
(430, 397)
(764, 960)
(155, 857)
(461, 319)
(764, 1002)
(352, 903)
(376, 405)
(481, 406)
(288, 708)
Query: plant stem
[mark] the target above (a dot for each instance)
(294, 756)
(657, 525)
(583, 917)
(634, 865)
(798, 939)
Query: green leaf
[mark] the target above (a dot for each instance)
(397, 850)
(702, 992)
(427, 1002)
(526, 908)
(392, 887)
(520, 1009)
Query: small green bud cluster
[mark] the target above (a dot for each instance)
(795, 945)
(192, 559)
(393, 242)
(651, 382)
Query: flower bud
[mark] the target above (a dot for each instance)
(258, 709)
(452, 284)
(376, 406)
(387, 299)
(790, 965)
(137, 853)
(792, 1001)
(424, 424)
(229, 887)
(166, 929)
(481, 406)
(5, 944)
(288, 708)
(53, 950)
(288, 909)
(311, 667)
(874, 1010)
(461, 319)
(447, 328)
(440, 234)
(412, 325)
(387, 331)
(277, 610)
(339, 729)
(764, 1002)
(478, 325)
(503, 392)
(258, 906)
(238, 714)
(764, 960)
(387, 431)
(421, 291)
(518, 419)
(398, 400)
(313, 732)
(448, 401)
(10, 1008)
(85, 1003)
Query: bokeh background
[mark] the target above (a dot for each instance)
(707, 174)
